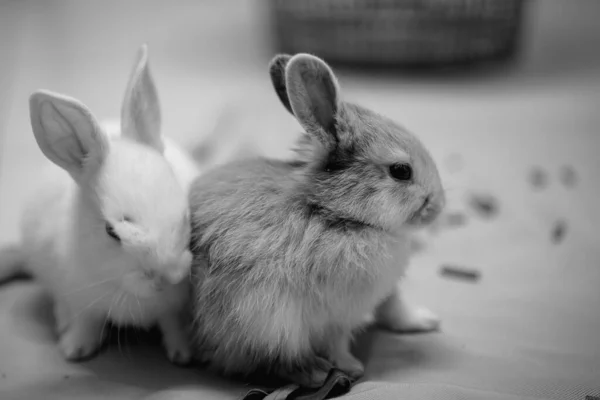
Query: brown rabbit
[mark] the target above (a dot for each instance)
(291, 255)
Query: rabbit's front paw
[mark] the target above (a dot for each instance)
(350, 365)
(414, 320)
(81, 340)
(396, 315)
(175, 340)
(204, 355)
(309, 376)
(341, 356)
(178, 351)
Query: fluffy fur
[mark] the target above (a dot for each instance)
(109, 238)
(290, 256)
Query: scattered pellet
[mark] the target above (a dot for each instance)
(486, 205)
(538, 178)
(568, 176)
(66, 376)
(3, 375)
(463, 273)
(559, 231)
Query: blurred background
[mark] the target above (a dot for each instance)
(505, 93)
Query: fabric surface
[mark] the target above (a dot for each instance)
(336, 385)
(528, 328)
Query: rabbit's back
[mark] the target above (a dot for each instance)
(46, 223)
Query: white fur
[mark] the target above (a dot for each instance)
(130, 179)
(184, 166)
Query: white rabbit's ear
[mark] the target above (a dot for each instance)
(140, 113)
(313, 93)
(66, 132)
(277, 74)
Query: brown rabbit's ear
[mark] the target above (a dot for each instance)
(313, 93)
(277, 73)
(140, 112)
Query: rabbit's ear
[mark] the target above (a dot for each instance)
(66, 132)
(313, 92)
(140, 113)
(277, 73)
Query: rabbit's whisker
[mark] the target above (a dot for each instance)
(90, 305)
(91, 285)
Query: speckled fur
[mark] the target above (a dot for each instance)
(291, 255)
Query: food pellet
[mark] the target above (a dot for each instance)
(463, 273)
(559, 231)
(538, 178)
(568, 176)
(485, 205)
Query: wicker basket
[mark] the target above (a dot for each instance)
(398, 32)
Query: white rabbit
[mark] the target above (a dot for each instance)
(108, 237)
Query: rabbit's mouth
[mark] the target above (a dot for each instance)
(426, 213)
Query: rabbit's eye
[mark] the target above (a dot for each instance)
(401, 171)
(110, 231)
